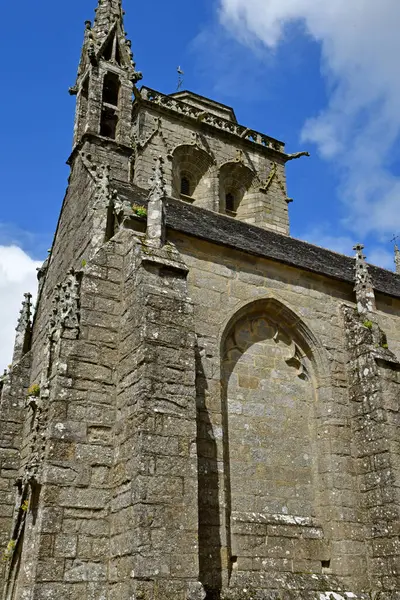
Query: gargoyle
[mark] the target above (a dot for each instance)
(296, 155)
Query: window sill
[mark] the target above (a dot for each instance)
(187, 198)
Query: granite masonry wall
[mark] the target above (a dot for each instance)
(212, 416)
(198, 434)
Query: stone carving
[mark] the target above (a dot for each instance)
(24, 329)
(38, 435)
(363, 283)
(101, 176)
(105, 193)
(267, 184)
(261, 328)
(199, 141)
(196, 592)
(296, 155)
(239, 156)
(65, 316)
(156, 207)
(106, 201)
(66, 310)
(4, 381)
(273, 176)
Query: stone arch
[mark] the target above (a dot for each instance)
(273, 374)
(235, 180)
(191, 171)
(294, 325)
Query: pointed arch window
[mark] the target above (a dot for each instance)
(109, 49)
(109, 113)
(111, 89)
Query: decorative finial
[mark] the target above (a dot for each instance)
(156, 227)
(364, 288)
(397, 258)
(396, 253)
(24, 329)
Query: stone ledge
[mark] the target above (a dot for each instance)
(274, 519)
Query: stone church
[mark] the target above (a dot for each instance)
(201, 406)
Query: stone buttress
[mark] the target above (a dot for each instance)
(374, 389)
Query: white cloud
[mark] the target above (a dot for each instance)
(17, 276)
(360, 125)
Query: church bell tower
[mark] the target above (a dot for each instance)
(106, 76)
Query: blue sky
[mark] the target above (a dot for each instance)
(272, 93)
(319, 76)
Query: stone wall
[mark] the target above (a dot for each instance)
(234, 544)
(213, 418)
(61, 522)
(374, 386)
(72, 239)
(107, 500)
(82, 226)
(12, 416)
(198, 425)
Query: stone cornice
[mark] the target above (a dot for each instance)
(173, 105)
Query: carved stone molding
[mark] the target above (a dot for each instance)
(215, 121)
(273, 176)
(253, 329)
(66, 305)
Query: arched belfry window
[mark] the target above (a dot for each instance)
(111, 89)
(235, 183)
(191, 167)
(185, 186)
(109, 113)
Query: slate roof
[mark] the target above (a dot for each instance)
(226, 231)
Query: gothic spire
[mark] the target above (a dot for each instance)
(106, 77)
(24, 329)
(364, 288)
(108, 13)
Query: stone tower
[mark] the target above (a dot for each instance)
(201, 406)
